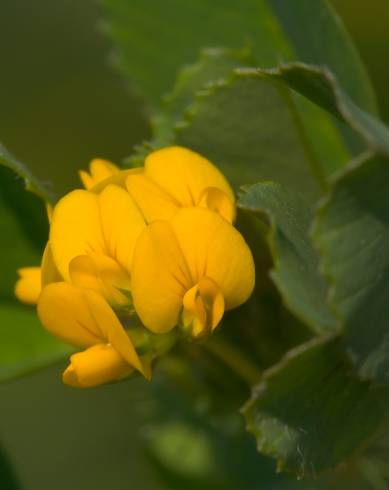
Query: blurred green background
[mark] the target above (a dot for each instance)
(62, 103)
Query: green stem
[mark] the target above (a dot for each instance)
(234, 358)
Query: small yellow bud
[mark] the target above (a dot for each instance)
(28, 286)
(99, 170)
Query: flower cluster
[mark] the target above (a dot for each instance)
(135, 258)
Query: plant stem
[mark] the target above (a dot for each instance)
(234, 358)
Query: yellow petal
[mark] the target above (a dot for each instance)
(184, 174)
(213, 248)
(121, 223)
(112, 329)
(99, 170)
(216, 200)
(49, 269)
(102, 274)
(64, 311)
(203, 308)
(160, 277)
(75, 229)
(28, 286)
(95, 366)
(152, 200)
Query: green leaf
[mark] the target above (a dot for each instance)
(154, 38)
(8, 480)
(319, 137)
(352, 232)
(321, 87)
(310, 413)
(25, 344)
(296, 262)
(324, 41)
(213, 66)
(325, 146)
(31, 182)
(351, 228)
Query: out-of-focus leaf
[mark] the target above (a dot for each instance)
(352, 233)
(310, 413)
(25, 345)
(296, 262)
(192, 448)
(154, 38)
(8, 480)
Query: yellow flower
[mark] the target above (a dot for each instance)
(176, 177)
(28, 286)
(83, 318)
(99, 170)
(189, 270)
(156, 244)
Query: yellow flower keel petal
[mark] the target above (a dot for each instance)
(218, 201)
(203, 308)
(95, 366)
